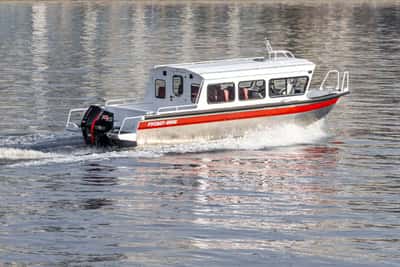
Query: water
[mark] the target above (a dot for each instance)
(325, 195)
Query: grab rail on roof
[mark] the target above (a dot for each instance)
(279, 54)
(276, 54)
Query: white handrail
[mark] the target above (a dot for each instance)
(281, 53)
(345, 81)
(69, 122)
(326, 78)
(276, 54)
(146, 111)
(176, 108)
(341, 87)
(128, 119)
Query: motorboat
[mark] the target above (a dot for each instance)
(213, 99)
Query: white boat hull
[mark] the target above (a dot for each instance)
(223, 129)
(189, 128)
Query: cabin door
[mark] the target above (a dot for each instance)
(180, 91)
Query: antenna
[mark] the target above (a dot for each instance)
(268, 47)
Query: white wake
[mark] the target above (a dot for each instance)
(23, 154)
(284, 135)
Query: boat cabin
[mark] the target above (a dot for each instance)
(225, 83)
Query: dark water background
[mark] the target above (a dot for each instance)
(327, 195)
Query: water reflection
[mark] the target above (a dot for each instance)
(280, 199)
(224, 180)
(95, 203)
(336, 199)
(99, 175)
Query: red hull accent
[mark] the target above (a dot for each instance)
(92, 137)
(236, 115)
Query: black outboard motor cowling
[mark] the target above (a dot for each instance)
(95, 124)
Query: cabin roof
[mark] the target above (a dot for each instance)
(244, 66)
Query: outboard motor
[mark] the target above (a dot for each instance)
(95, 124)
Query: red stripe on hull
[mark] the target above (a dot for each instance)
(234, 115)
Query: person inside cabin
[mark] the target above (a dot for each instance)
(194, 92)
(229, 96)
(260, 89)
(297, 86)
(219, 93)
(225, 92)
(290, 86)
(244, 93)
(252, 90)
(161, 92)
(160, 88)
(213, 93)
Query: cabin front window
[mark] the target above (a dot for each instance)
(160, 88)
(177, 85)
(194, 92)
(288, 86)
(220, 93)
(252, 90)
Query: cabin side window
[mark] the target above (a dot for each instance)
(288, 86)
(177, 85)
(220, 93)
(252, 90)
(194, 91)
(160, 88)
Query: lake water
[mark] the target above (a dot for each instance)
(325, 195)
